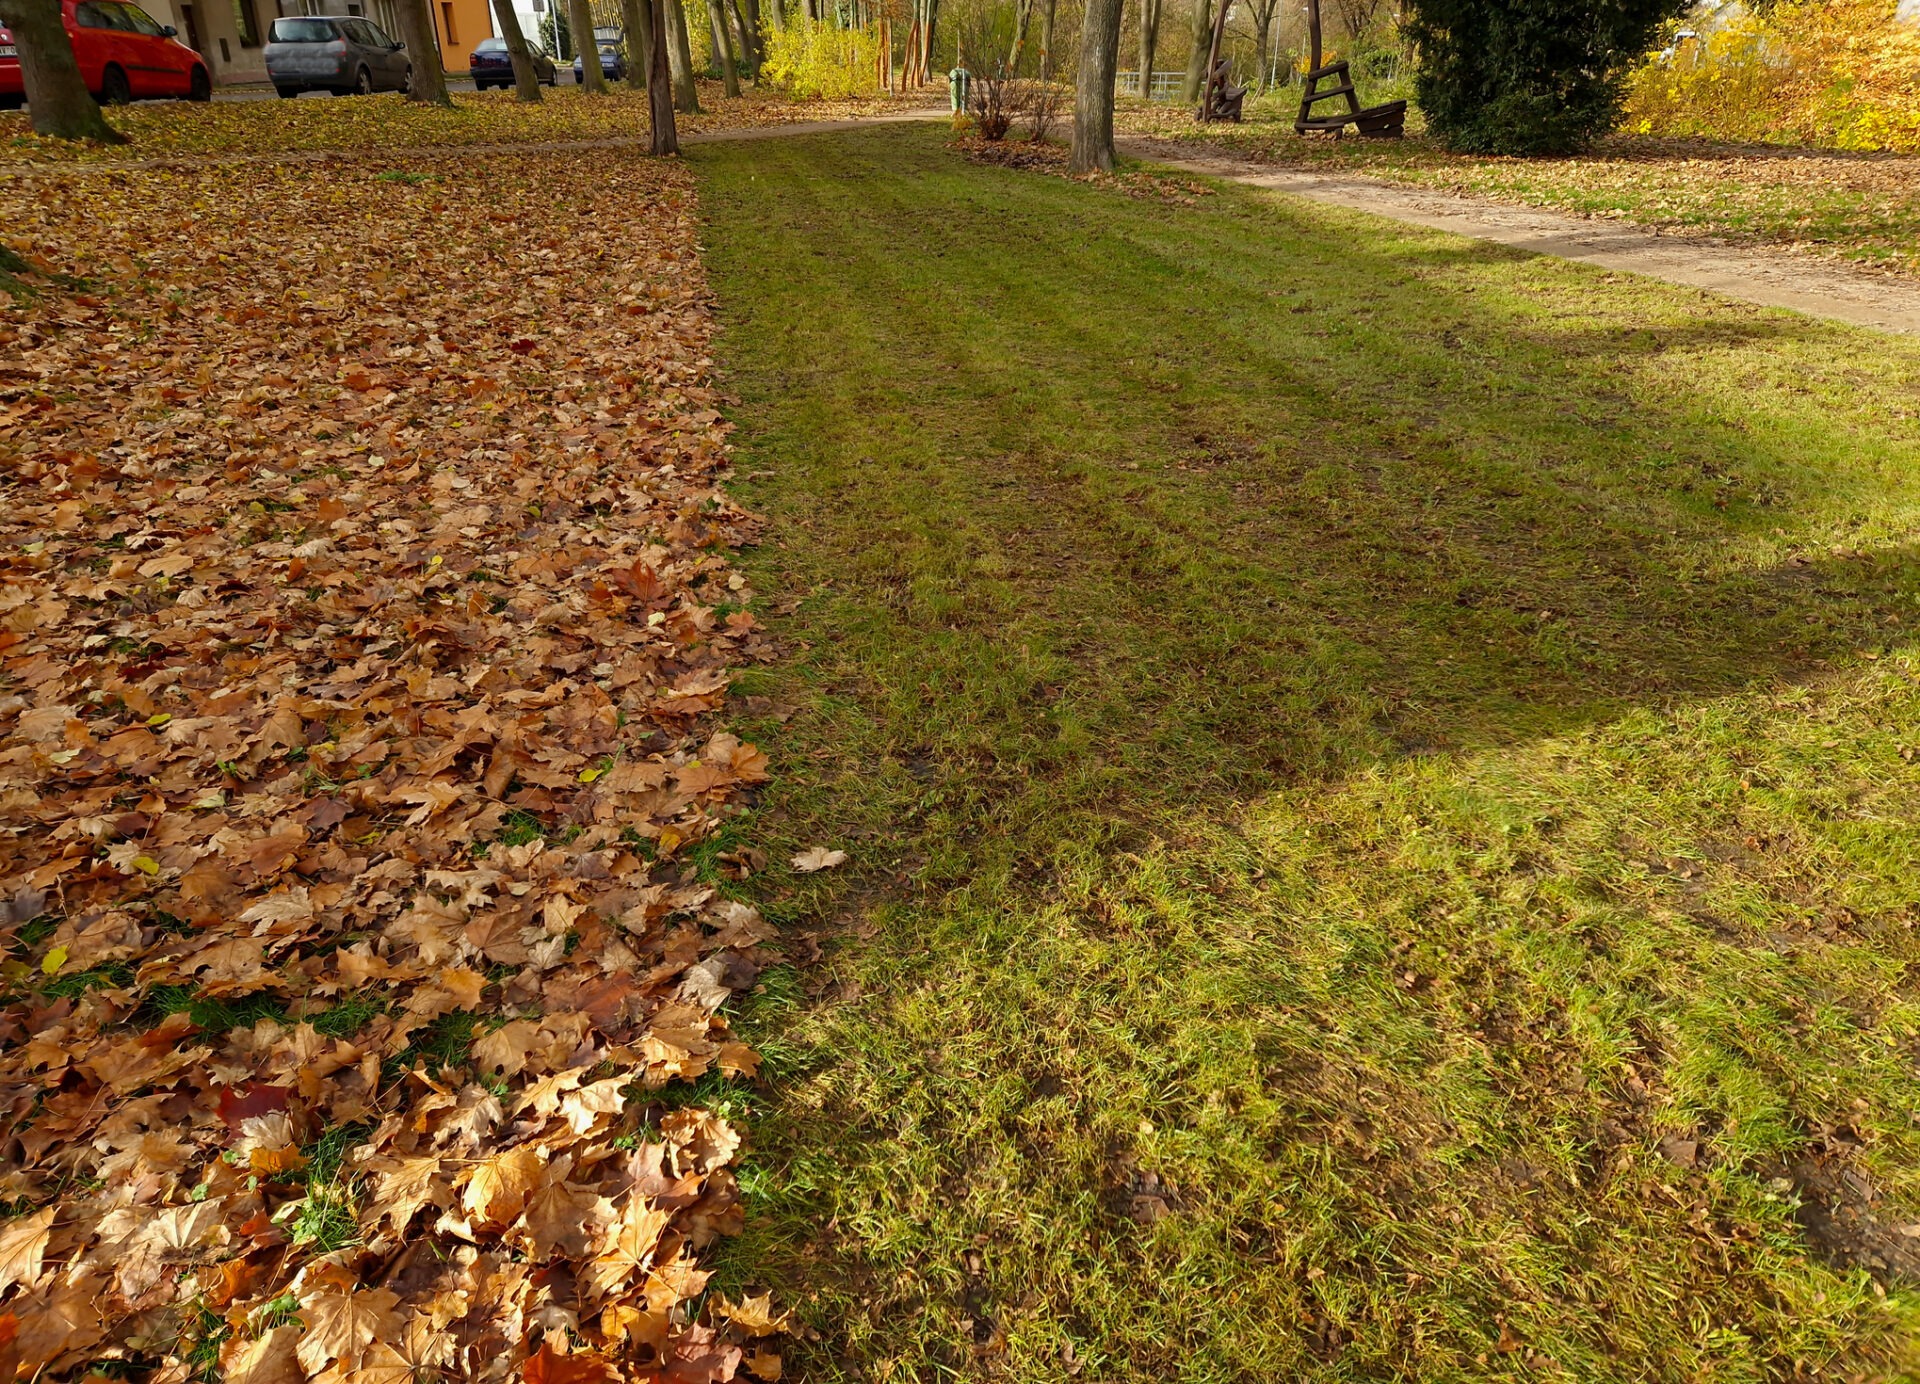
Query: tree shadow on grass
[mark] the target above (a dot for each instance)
(1252, 492)
(1381, 540)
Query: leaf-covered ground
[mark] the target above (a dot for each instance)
(1860, 207)
(171, 129)
(366, 605)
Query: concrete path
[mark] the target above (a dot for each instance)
(1752, 274)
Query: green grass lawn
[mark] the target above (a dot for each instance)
(1380, 779)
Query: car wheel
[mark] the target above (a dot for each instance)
(406, 83)
(12, 103)
(199, 85)
(288, 93)
(363, 83)
(114, 89)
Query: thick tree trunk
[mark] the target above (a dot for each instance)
(57, 98)
(1046, 40)
(926, 39)
(428, 84)
(776, 13)
(722, 46)
(1197, 61)
(686, 96)
(666, 138)
(580, 22)
(526, 82)
(1149, 40)
(633, 18)
(1093, 94)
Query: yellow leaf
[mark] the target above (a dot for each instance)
(159, 720)
(589, 775)
(146, 865)
(55, 959)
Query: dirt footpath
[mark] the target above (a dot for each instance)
(1771, 278)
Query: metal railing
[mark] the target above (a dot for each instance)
(1165, 87)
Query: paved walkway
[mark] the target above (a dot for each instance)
(1752, 274)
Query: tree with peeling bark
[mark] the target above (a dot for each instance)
(580, 20)
(58, 101)
(526, 81)
(427, 79)
(722, 47)
(1093, 93)
(1197, 60)
(686, 96)
(1149, 41)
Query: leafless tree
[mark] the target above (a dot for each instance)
(1355, 17)
(1149, 41)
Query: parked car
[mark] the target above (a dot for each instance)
(492, 66)
(339, 53)
(123, 54)
(612, 63)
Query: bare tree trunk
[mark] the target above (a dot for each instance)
(1046, 39)
(633, 24)
(686, 96)
(927, 34)
(580, 21)
(1263, 20)
(776, 12)
(666, 138)
(526, 82)
(1093, 94)
(1197, 60)
(1149, 40)
(428, 82)
(722, 46)
(746, 26)
(57, 97)
(1022, 21)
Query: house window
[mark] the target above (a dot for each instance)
(446, 18)
(246, 21)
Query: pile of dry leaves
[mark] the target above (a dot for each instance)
(366, 603)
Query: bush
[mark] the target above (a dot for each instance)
(1840, 74)
(1529, 76)
(814, 58)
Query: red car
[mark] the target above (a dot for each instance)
(124, 56)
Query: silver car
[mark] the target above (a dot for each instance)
(339, 53)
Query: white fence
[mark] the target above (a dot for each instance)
(1166, 85)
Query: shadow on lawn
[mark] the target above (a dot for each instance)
(1379, 513)
(1107, 516)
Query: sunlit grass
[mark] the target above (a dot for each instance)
(1379, 779)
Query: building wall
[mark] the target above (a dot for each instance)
(228, 33)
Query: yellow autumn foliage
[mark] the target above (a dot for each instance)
(812, 58)
(1839, 74)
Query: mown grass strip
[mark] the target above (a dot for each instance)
(1380, 778)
